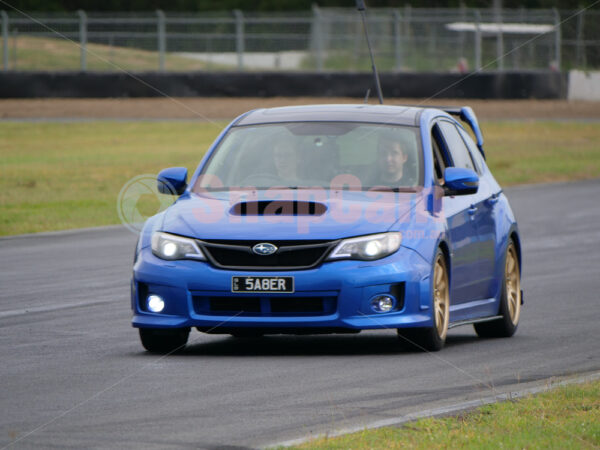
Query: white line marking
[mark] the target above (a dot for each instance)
(42, 309)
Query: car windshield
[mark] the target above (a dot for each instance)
(330, 155)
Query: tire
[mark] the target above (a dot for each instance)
(433, 338)
(510, 300)
(164, 341)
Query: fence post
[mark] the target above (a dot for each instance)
(359, 39)
(4, 40)
(162, 38)
(239, 38)
(461, 34)
(477, 40)
(406, 18)
(557, 38)
(397, 40)
(83, 38)
(318, 35)
(579, 61)
(15, 35)
(499, 34)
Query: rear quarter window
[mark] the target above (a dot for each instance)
(456, 145)
(474, 150)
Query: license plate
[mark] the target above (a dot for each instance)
(262, 284)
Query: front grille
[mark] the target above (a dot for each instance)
(289, 255)
(234, 305)
(264, 306)
(296, 305)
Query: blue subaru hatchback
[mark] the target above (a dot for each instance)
(332, 219)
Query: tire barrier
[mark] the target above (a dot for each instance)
(484, 85)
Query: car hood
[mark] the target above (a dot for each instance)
(287, 214)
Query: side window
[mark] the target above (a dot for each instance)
(458, 150)
(475, 153)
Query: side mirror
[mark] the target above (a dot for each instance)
(459, 181)
(172, 181)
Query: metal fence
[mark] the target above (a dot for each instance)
(404, 39)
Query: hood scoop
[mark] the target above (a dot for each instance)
(278, 208)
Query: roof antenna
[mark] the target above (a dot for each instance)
(360, 5)
(367, 96)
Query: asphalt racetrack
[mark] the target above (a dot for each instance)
(74, 374)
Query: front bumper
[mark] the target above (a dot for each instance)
(343, 288)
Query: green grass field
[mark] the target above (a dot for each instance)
(35, 53)
(565, 418)
(68, 175)
(536, 152)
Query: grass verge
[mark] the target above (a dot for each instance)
(567, 417)
(68, 175)
(542, 152)
(36, 53)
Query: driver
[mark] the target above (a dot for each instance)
(391, 157)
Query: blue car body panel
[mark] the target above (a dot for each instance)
(473, 230)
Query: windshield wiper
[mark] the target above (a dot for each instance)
(392, 189)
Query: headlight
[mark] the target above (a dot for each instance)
(367, 248)
(168, 246)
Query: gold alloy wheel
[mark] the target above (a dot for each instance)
(441, 296)
(512, 284)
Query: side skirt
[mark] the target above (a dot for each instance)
(472, 321)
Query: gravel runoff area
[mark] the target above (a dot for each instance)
(227, 108)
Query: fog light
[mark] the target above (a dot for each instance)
(382, 303)
(155, 304)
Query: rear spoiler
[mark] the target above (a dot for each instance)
(467, 115)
